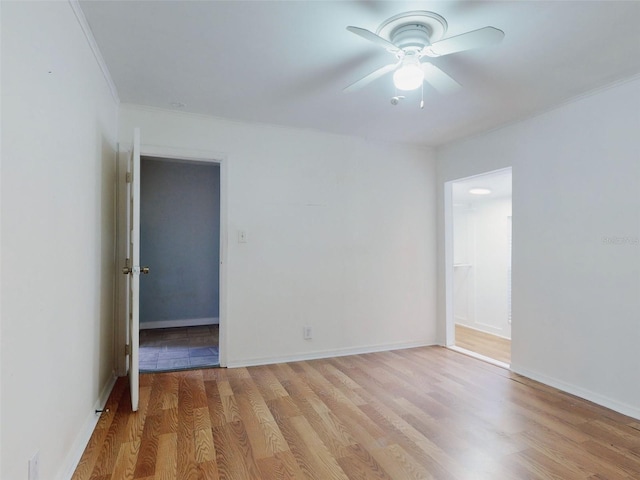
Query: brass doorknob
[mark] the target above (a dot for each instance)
(128, 270)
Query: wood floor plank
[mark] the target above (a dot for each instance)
(262, 431)
(201, 419)
(135, 424)
(268, 384)
(187, 467)
(205, 448)
(255, 402)
(208, 470)
(399, 464)
(543, 466)
(282, 466)
(146, 461)
(346, 385)
(96, 442)
(324, 465)
(126, 461)
(229, 403)
(233, 455)
(217, 414)
(167, 459)
(115, 437)
(611, 454)
(570, 455)
(169, 393)
(168, 420)
(486, 344)
(409, 414)
(611, 432)
(283, 407)
(358, 463)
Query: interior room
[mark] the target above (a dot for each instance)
(180, 241)
(335, 132)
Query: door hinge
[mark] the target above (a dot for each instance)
(128, 176)
(126, 269)
(127, 349)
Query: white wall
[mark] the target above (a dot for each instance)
(491, 265)
(464, 259)
(481, 240)
(576, 230)
(58, 156)
(341, 236)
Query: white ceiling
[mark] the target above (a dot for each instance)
(286, 62)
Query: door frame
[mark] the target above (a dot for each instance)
(448, 252)
(184, 155)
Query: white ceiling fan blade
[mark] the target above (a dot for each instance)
(371, 77)
(372, 37)
(482, 37)
(439, 80)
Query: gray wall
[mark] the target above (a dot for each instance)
(179, 240)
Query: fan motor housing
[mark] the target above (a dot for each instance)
(412, 31)
(412, 36)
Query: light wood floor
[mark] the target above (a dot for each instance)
(410, 414)
(483, 343)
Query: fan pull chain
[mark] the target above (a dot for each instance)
(422, 96)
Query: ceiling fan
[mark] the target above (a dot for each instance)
(414, 35)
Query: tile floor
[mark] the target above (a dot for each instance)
(166, 349)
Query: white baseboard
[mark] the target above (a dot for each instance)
(477, 329)
(77, 449)
(184, 322)
(623, 408)
(340, 352)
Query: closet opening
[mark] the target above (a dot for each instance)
(478, 218)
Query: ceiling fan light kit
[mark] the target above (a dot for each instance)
(410, 75)
(410, 36)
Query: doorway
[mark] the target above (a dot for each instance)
(180, 242)
(478, 218)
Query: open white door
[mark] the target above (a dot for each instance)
(132, 267)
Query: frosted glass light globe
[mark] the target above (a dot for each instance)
(408, 77)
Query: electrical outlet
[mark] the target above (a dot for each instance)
(34, 466)
(307, 333)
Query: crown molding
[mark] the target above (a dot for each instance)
(86, 29)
